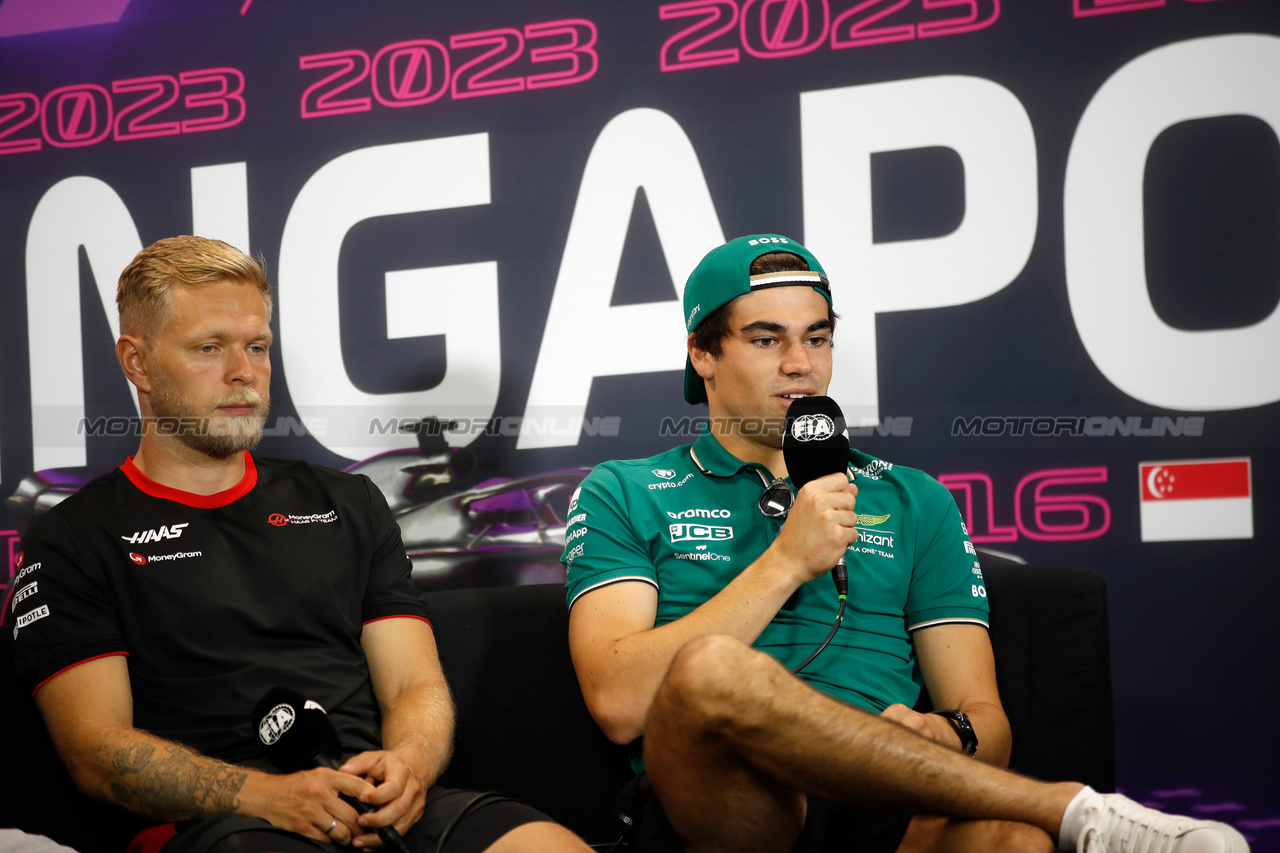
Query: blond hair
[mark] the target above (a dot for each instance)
(143, 293)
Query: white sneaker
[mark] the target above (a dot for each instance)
(1116, 824)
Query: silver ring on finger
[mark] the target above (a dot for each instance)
(332, 827)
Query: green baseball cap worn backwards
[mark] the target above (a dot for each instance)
(724, 274)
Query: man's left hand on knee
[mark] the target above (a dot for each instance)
(931, 726)
(399, 795)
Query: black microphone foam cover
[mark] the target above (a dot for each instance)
(815, 443)
(294, 732)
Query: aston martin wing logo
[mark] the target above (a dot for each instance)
(872, 520)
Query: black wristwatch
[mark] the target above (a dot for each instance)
(960, 722)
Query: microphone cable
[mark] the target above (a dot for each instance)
(834, 628)
(815, 444)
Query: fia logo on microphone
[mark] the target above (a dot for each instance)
(812, 428)
(277, 721)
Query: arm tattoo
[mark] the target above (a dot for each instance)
(170, 782)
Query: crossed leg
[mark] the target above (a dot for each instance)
(734, 746)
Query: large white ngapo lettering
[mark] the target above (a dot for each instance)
(639, 148)
(987, 126)
(1106, 273)
(386, 180)
(585, 336)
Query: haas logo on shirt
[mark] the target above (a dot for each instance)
(156, 535)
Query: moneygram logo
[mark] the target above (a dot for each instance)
(17, 579)
(699, 533)
(142, 559)
(279, 519)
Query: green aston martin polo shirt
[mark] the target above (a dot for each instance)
(688, 521)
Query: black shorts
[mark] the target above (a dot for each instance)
(473, 821)
(828, 826)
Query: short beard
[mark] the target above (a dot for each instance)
(216, 436)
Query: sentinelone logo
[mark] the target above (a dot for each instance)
(1094, 427)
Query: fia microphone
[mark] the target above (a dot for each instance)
(815, 444)
(297, 734)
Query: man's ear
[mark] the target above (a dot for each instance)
(703, 362)
(132, 354)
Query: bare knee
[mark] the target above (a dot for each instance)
(538, 836)
(929, 834)
(934, 835)
(709, 683)
(1023, 838)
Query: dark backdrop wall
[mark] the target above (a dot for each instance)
(1051, 229)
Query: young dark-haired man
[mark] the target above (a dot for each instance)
(691, 601)
(167, 597)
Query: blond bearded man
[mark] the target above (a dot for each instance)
(174, 592)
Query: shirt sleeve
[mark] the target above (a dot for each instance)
(61, 611)
(946, 581)
(391, 591)
(601, 543)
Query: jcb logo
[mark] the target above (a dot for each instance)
(700, 532)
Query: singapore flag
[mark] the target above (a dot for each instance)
(1196, 499)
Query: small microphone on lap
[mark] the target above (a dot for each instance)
(297, 734)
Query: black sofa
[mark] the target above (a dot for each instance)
(523, 728)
